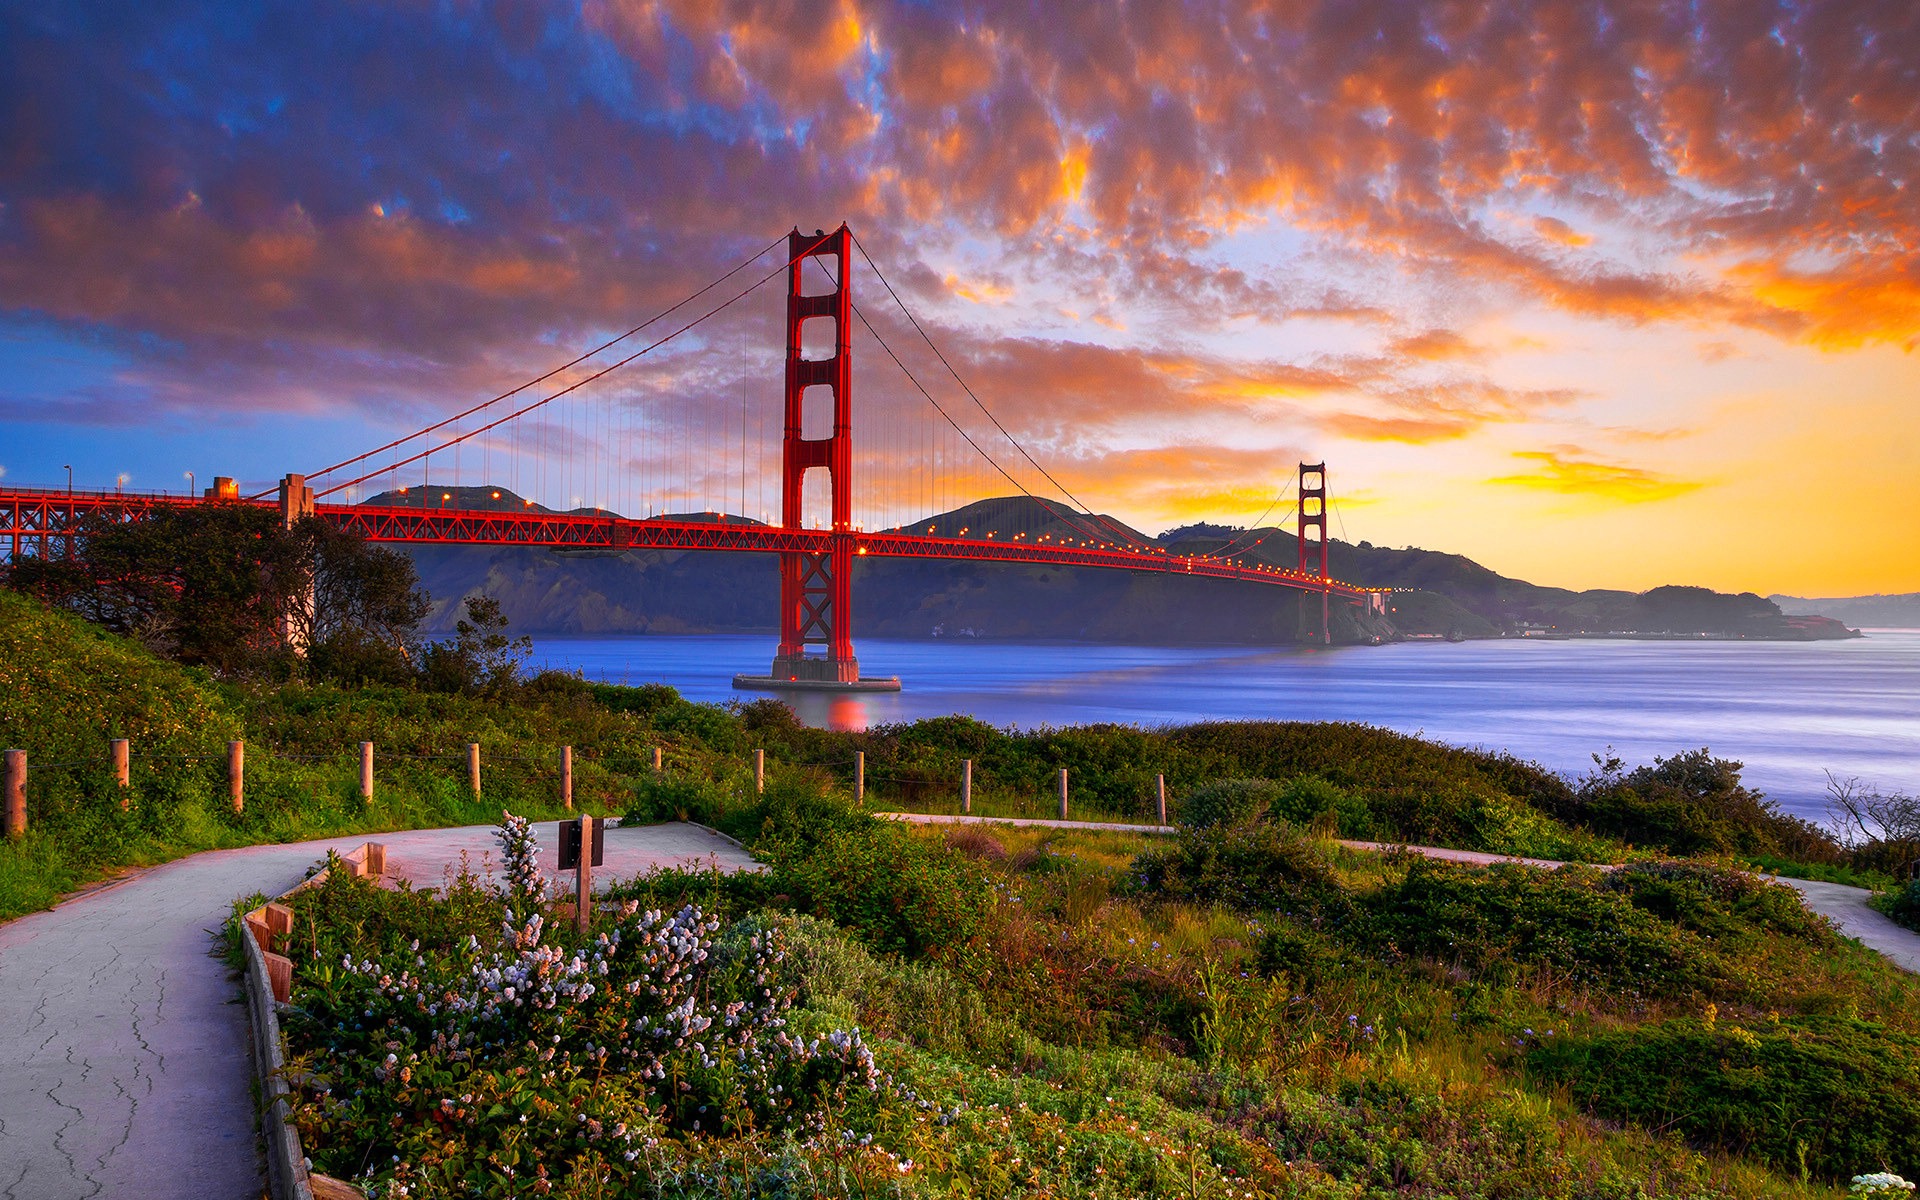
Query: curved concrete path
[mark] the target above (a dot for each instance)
(124, 1067)
(1845, 906)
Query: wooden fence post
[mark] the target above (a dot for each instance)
(237, 774)
(1063, 793)
(566, 776)
(366, 772)
(966, 785)
(859, 776)
(123, 769)
(13, 780)
(759, 771)
(473, 767)
(583, 888)
(656, 760)
(1160, 798)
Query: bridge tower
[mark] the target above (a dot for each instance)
(816, 612)
(1313, 517)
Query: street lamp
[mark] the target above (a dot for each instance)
(193, 486)
(69, 467)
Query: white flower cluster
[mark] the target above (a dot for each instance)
(1881, 1184)
(638, 1001)
(520, 853)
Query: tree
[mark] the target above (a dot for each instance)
(366, 608)
(480, 657)
(229, 586)
(1882, 831)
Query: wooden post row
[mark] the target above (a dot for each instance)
(966, 785)
(237, 775)
(473, 767)
(566, 776)
(13, 782)
(366, 772)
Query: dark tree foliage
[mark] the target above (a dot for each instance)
(480, 658)
(230, 587)
(1691, 803)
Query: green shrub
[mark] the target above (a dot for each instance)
(676, 797)
(1904, 905)
(1844, 1093)
(1731, 907)
(1226, 802)
(895, 891)
(1251, 866)
(1307, 799)
(1690, 803)
(1569, 920)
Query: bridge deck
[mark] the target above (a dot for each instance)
(42, 522)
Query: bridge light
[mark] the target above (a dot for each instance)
(861, 550)
(496, 495)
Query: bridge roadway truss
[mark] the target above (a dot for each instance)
(35, 522)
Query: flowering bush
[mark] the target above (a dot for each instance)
(1880, 1183)
(468, 1066)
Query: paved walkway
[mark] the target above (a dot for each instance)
(124, 1068)
(1845, 906)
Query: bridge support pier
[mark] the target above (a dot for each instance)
(816, 610)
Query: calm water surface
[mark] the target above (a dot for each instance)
(1791, 711)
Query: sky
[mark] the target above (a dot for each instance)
(1597, 294)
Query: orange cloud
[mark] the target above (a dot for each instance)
(1560, 471)
(1435, 345)
(1556, 230)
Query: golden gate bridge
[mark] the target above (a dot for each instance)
(680, 456)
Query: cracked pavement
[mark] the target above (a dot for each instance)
(124, 1062)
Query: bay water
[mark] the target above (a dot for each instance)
(1791, 711)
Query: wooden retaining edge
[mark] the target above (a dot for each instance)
(269, 979)
(286, 1161)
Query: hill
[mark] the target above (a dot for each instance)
(1885, 612)
(1437, 594)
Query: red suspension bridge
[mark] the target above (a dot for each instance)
(607, 435)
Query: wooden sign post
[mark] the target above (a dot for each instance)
(582, 847)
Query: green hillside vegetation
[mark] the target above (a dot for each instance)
(1245, 1010)
(72, 687)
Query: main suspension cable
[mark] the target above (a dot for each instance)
(644, 325)
(573, 387)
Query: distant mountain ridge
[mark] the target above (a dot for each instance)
(1437, 594)
(1885, 612)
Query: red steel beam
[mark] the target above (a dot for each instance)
(41, 518)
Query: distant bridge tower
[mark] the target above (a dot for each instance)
(1313, 516)
(816, 611)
